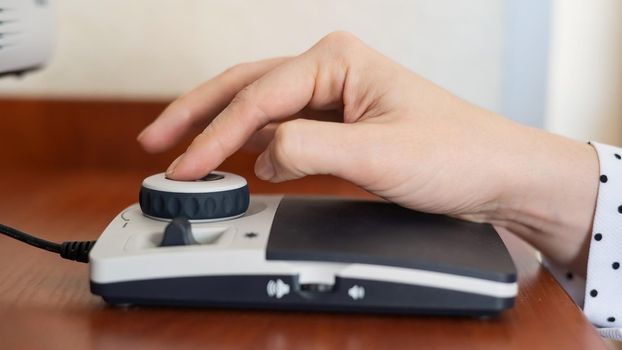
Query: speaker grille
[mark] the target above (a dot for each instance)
(4, 32)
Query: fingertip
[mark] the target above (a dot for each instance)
(170, 172)
(190, 166)
(144, 140)
(141, 134)
(263, 167)
(166, 130)
(156, 137)
(179, 170)
(149, 143)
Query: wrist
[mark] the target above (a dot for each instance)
(551, 197)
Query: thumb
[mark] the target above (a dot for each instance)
(307, 147)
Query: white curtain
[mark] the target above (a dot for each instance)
(585, 70)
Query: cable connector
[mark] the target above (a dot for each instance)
(76, 250)
(70, 250)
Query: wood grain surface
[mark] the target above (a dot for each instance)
(70, 167)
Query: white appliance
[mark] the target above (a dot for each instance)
(26, 35)
(210, 243)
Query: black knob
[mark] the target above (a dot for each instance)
(217, 196)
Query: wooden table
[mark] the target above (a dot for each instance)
(45, 301)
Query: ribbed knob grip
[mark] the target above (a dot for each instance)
(161, 198)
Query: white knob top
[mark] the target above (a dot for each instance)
(229, 181)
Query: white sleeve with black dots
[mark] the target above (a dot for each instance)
(603, 285)
(599, 294)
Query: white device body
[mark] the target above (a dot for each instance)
(128, 251)
(26, 34)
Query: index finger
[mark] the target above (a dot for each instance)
(196, 108)
(282, 92)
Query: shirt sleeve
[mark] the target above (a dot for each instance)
(599, 294)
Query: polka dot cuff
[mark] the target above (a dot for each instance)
(603, 286)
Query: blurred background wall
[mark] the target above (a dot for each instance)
(585, 70)
(553, 63)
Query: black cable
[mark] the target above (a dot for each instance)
(70, 250)
(28, 239)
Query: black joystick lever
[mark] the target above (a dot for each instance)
(178, 232)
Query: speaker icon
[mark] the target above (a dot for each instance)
(356, 292)
(277, 288)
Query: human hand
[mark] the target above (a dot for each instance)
(373, 122)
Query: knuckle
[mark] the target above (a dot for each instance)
(198, 142)
(240, 97)
(242, 100)
(339, 37)
(247, 106)
(235, 69)
(340, 46)
(339, 41)
(209, 142)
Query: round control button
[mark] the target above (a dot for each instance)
(217, 196)
(211, 177)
